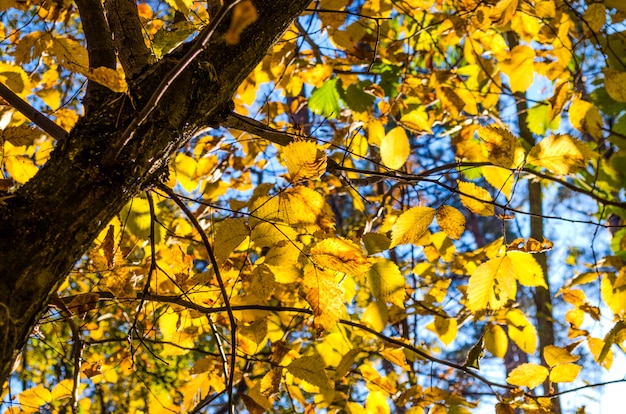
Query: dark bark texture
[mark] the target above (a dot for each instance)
(47, 225)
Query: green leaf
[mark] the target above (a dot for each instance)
(356, 98)
(324, 101)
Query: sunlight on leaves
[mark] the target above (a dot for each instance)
(560, 154)
(528, 375)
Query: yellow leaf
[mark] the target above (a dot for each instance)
(445, 328)
(33, 398)
(527, 270)
(520, 68)
(230, 233)
(182, 6)
(312, 370)
(395, 148)
(324, 295)
(613, 289)
(595, 346)
(496, 340)
(51, 97)
(376, 402)
(305, 160)
(615, 84)
(417, 120)
(491, 285)
(375, 133)
(470, 196)
(555, 355)
(266, 234)
(594, 18)
(501, 179)
(585, 117)
(503, 147)
(528, 375)
(411, 225)
(340, 255)
(20, 168)
(108, 77)
(243, 16)
(564, 373)
(521, 331)
(185, 167)
(560, 154)
(375, 315)
(386, 282)
(451, 221)
(347, 360)
(316, 75)
(15, 78)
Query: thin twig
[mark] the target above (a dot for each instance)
(227, 306)
(39, 119)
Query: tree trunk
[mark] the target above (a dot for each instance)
(47, 225)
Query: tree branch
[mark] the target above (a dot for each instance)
(254, 127)
(128, 39)
(99, 45)
(39, 119)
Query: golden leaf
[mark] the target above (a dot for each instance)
(395, 148)
(496, 340)
(491, 285)
(594, 18)
(347, 360)
(20, 168)
(312, 370)
(305, 160)
(229, 234)
(527, 270)
(445, 329)
(564, 373)
(417, 120)
(613, 289)
(528, 375)
(340, 255)
(411, 225)
(33, 398)
(500, 178)
(243, 16)
(520, 68)
(503, 147)
(325, 296)
(521, 331)
(387, 282)
(615, 84)
(595, 346)
(266, 234)
(585, 117)
(471, 195)
(555, 355)
(560, 154)
(108, 77)
(451, 221)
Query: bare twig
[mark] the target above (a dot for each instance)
(34, 115)
(220, 281)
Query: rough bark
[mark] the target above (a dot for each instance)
(51, 221)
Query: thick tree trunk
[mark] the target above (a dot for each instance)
(51, 221)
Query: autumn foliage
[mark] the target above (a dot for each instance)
(400, 194)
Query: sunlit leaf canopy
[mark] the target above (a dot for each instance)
(384, 256)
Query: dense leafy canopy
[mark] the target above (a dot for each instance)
(401, 193)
